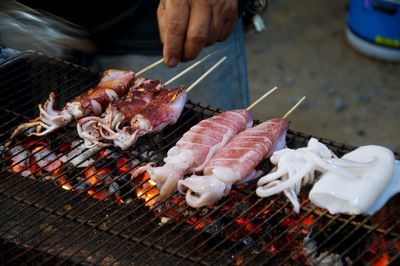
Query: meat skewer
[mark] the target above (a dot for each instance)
(114, 84)
(196, 147)
(235, 162)
(145, 110)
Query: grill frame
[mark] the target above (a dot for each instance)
(45, 71)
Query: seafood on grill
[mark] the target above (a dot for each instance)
(342, 194)
(113, 85)
(137, 97)
(297, 167)
(235, 162)
(196, 147)
(146, 109)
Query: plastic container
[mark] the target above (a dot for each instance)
(373, 28)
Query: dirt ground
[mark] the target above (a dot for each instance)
(350, 97)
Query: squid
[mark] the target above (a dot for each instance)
(296, 168)
(146, 109)
(196, 147)
(376, 183)
(236, 162)
(113, 85)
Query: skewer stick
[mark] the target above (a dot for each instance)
(294, 107)
(261, 98)
(206, 74)
(189, 68)
(149, 67)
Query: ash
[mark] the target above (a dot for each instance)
(324, 258)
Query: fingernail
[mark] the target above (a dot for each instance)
(172, 61)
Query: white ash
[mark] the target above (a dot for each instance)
(113, 188)
(322, 259)
(80, 154)
(164, 220)
(20, 156)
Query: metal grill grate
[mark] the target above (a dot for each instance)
(41, 222)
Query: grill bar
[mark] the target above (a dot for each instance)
(181, 223)
(22, 81)
(82, 81)
(226, 226)
(282, 234)
(69, 160)
(108, 233)
(172, 133)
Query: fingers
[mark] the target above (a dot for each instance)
(198, 29)
(161, 19)
(230, 13)
(216, 24)
(186, 26)
(227, 29)
(175, 21)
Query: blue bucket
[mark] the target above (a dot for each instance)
(373, 28)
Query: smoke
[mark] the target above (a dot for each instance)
(23, 28)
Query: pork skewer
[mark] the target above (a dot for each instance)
(235, 162)
(145, 111)
(196, 147)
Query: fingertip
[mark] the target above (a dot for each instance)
(171, 61)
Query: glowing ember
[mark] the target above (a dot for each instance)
(148, 192)
(382, 260)
(123, 165)
(18, 168)
(64, 184)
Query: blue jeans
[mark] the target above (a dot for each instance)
(226, 87)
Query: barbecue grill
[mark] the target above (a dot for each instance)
(89, 211)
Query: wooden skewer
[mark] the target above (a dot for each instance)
(294, 107)
(189, 68)
(206, 74)
(261, 98)
(149, 67)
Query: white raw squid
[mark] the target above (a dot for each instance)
(341, 194)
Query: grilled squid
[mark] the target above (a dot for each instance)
(365, 194)
(196, 147)
(146, 109)
(113, 85)
(298, 167)
(234, 163)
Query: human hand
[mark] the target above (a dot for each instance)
(187, 26)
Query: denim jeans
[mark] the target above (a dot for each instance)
(226, 87)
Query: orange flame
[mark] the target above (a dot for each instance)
(148, 192)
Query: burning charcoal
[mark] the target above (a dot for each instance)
(164, 220)
(309, 247)
(214, 228)
(19, 157)
(259, 247)
(247, 241)
(46, 159)
(82, 184)
(238, 208)
(113, 188)
(324, 259)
